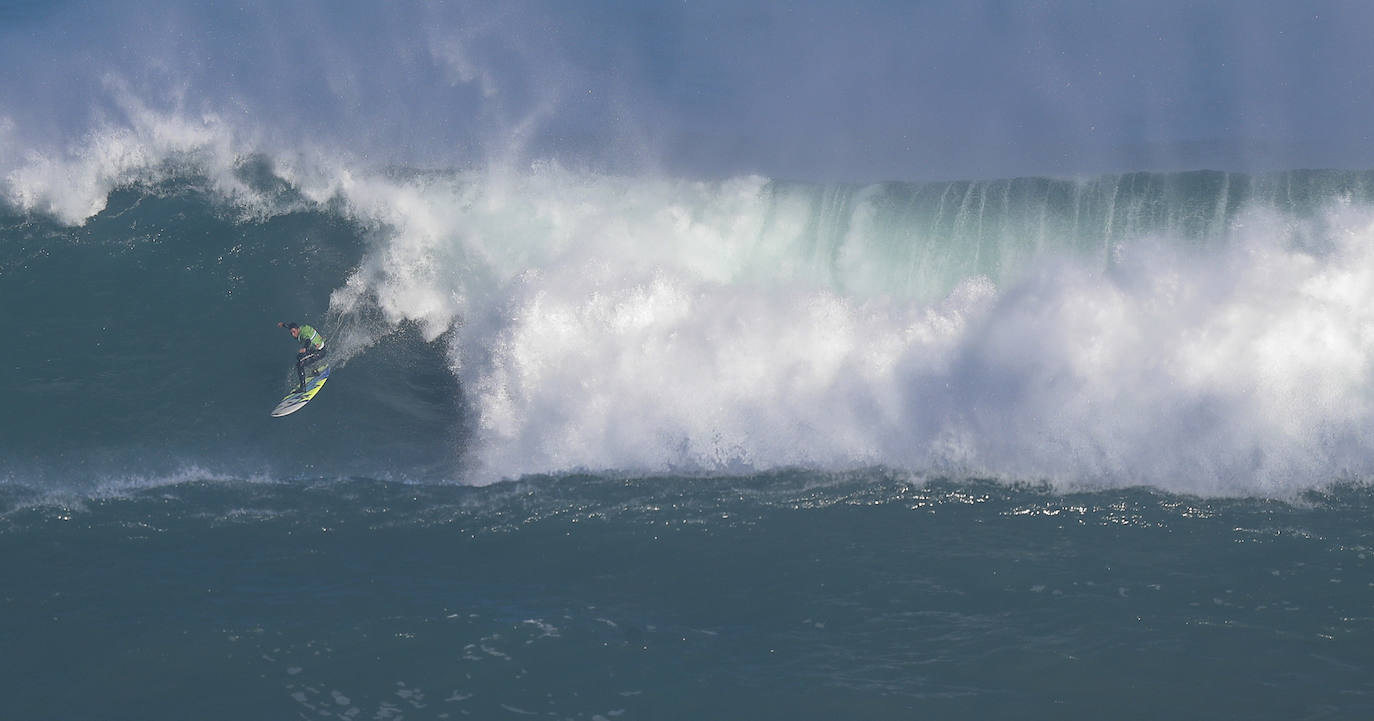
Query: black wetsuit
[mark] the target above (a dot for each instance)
(308, 338)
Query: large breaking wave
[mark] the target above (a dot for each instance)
(1203, 332)
(1197, 331)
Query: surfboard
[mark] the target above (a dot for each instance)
(296, 400)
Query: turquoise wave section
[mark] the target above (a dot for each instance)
(922, 238)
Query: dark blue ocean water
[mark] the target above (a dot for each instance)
(782, 595)
(797, 452)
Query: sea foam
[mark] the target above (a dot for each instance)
(658, 324)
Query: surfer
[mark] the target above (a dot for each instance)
(312, 349)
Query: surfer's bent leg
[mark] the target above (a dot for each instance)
(307, 361)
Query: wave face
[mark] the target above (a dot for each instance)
(1198, 332)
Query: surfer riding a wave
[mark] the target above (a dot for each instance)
(312, 349)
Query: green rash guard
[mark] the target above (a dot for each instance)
(310, 338)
